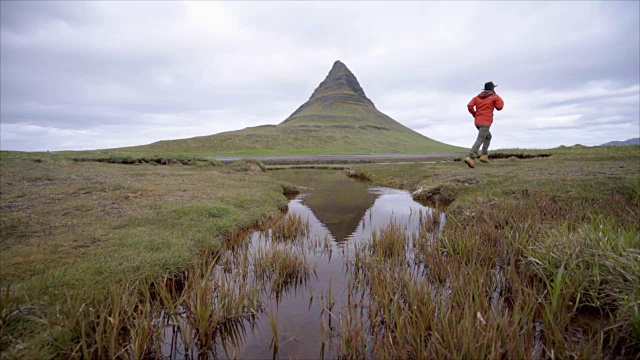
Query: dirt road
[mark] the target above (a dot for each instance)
(338, 159)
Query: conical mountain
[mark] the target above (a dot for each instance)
(339, 101)
(340, 85)
(338, 118)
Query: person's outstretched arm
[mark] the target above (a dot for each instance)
(498, 103)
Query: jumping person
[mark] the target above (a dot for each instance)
(481, 107)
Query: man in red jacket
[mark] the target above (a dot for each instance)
(481, 107)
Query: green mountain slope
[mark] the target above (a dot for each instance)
(337, 119)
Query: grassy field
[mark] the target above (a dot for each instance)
(74, 230)
(87, 247)
(300, 139)
(581, 172)
(540, 258)
(267, 140)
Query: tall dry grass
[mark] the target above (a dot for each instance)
(195, 313)
(289, 227)
(281, 266)
(535, 277)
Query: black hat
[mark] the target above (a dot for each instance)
(489, 86)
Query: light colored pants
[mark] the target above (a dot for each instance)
(484, 139)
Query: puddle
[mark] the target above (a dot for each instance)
(293, 319)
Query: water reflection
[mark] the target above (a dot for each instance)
(337, 201)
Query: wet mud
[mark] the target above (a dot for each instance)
(509, 155)
(148, 160)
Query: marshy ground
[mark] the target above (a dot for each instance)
(538, 258)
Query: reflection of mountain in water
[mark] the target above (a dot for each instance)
(338, 202)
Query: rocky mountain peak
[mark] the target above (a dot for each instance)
(341, 81)
(337, 96)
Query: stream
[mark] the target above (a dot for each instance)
(341, 213)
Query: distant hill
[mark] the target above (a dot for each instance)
(634, 141)
(338, 118)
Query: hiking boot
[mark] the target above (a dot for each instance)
(484, 158)
(469, 162)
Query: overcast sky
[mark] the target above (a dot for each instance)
(87, 75)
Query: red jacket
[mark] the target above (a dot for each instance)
(481, 107)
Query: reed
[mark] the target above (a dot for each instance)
(100, 327)
(275, 343)
(282, 266)
(390, 244)
(289, 227)
(146, 335)
(216, 305)
(353, 335)
(207, 308)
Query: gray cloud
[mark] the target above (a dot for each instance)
(27, 16)
(83, 75)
